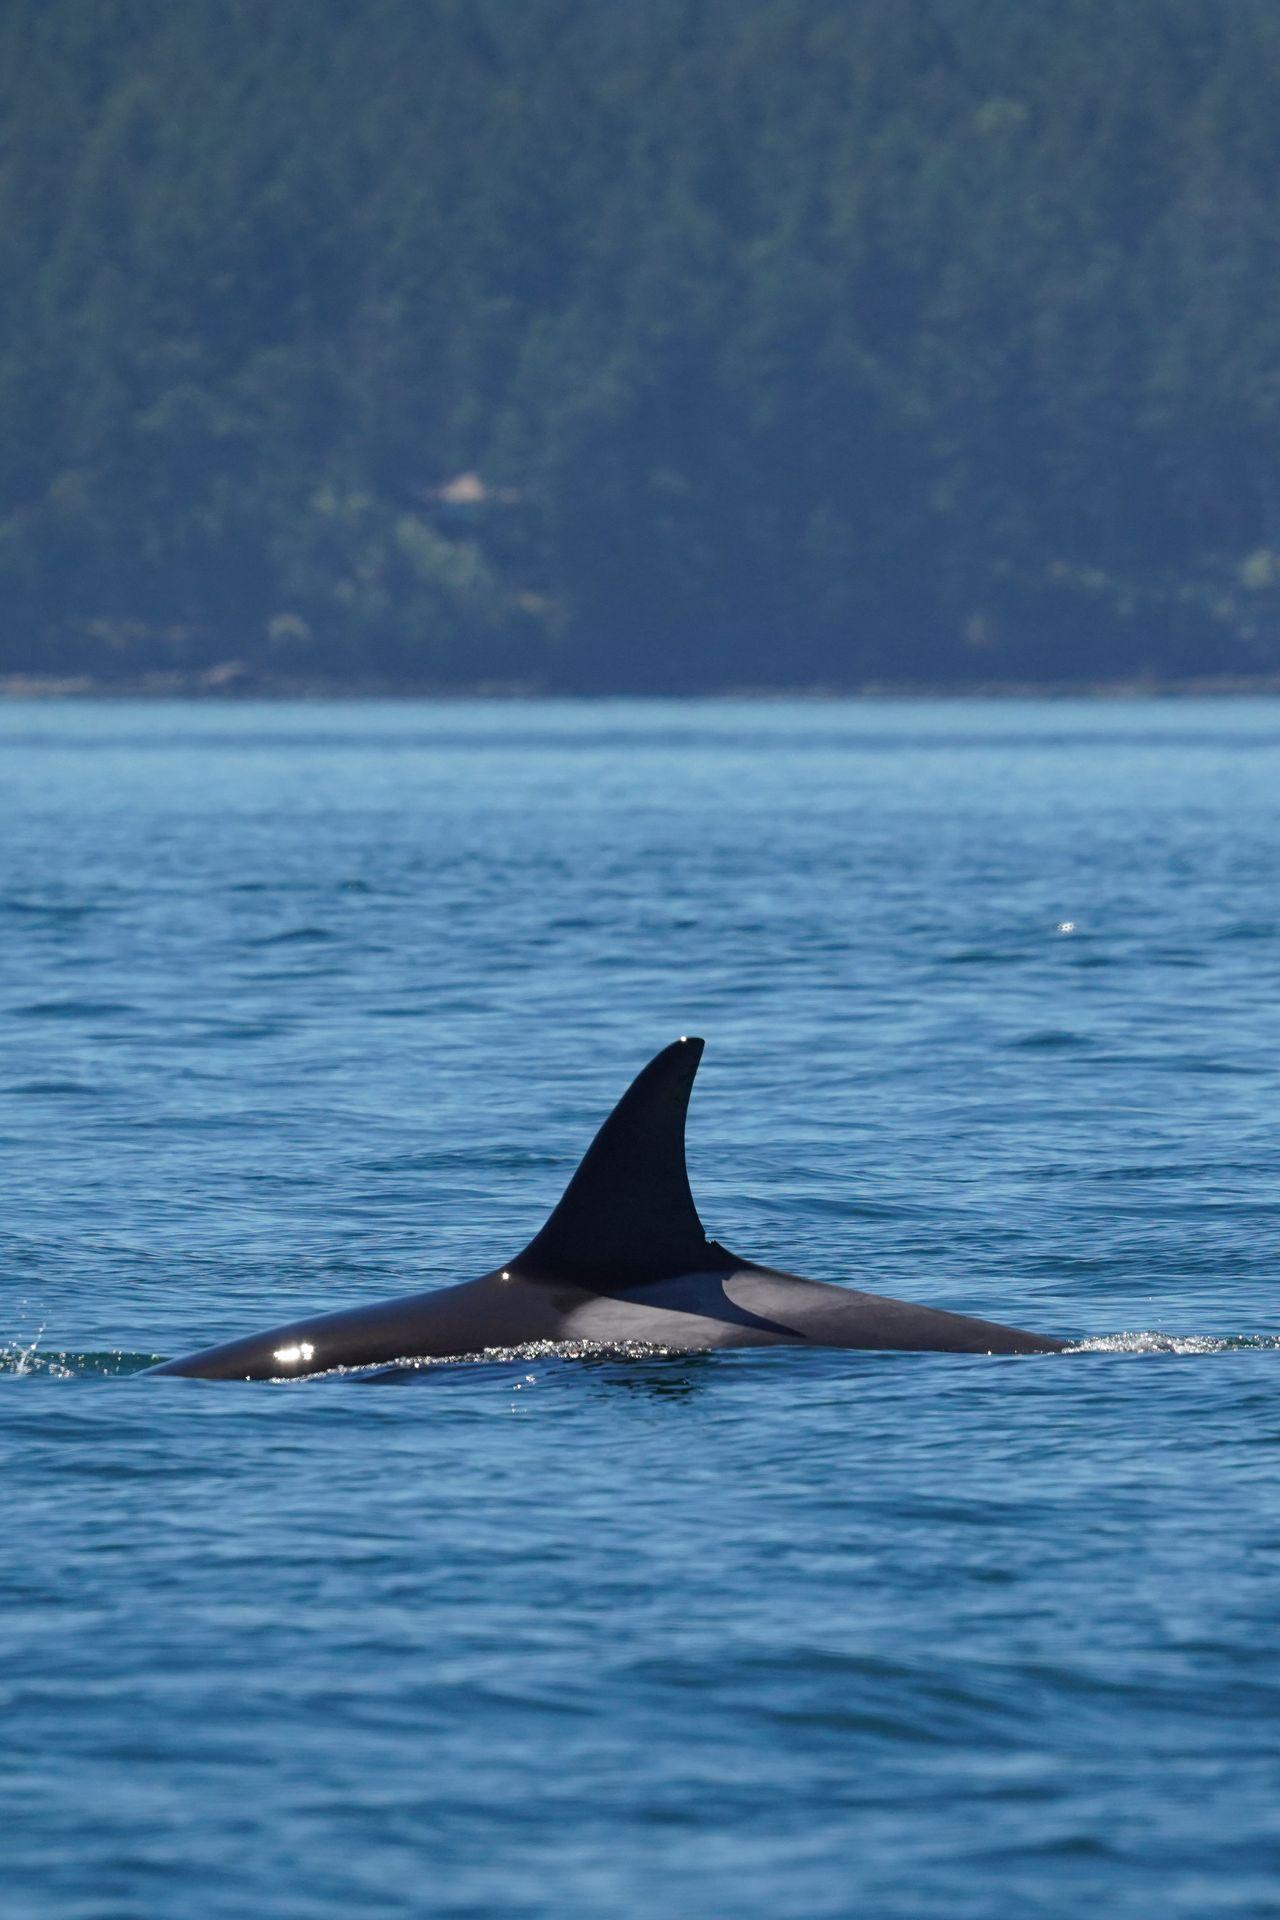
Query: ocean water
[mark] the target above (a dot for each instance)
(305, 1005)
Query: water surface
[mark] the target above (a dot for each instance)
(304, 1005)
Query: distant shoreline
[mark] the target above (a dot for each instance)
(232, 683)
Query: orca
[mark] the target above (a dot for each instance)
(623, 1261)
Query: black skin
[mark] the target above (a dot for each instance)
(622, 1260)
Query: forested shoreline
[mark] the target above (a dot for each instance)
(574, 345)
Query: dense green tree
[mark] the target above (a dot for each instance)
(692, 344)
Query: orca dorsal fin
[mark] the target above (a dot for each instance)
(627, 1215)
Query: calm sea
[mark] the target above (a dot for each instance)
(307, 1005)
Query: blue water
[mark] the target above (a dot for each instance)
(304, 1005)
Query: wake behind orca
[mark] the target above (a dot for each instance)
(622, 1261)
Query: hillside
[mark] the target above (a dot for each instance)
(586, 345)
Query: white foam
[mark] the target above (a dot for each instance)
(1145, 1341)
